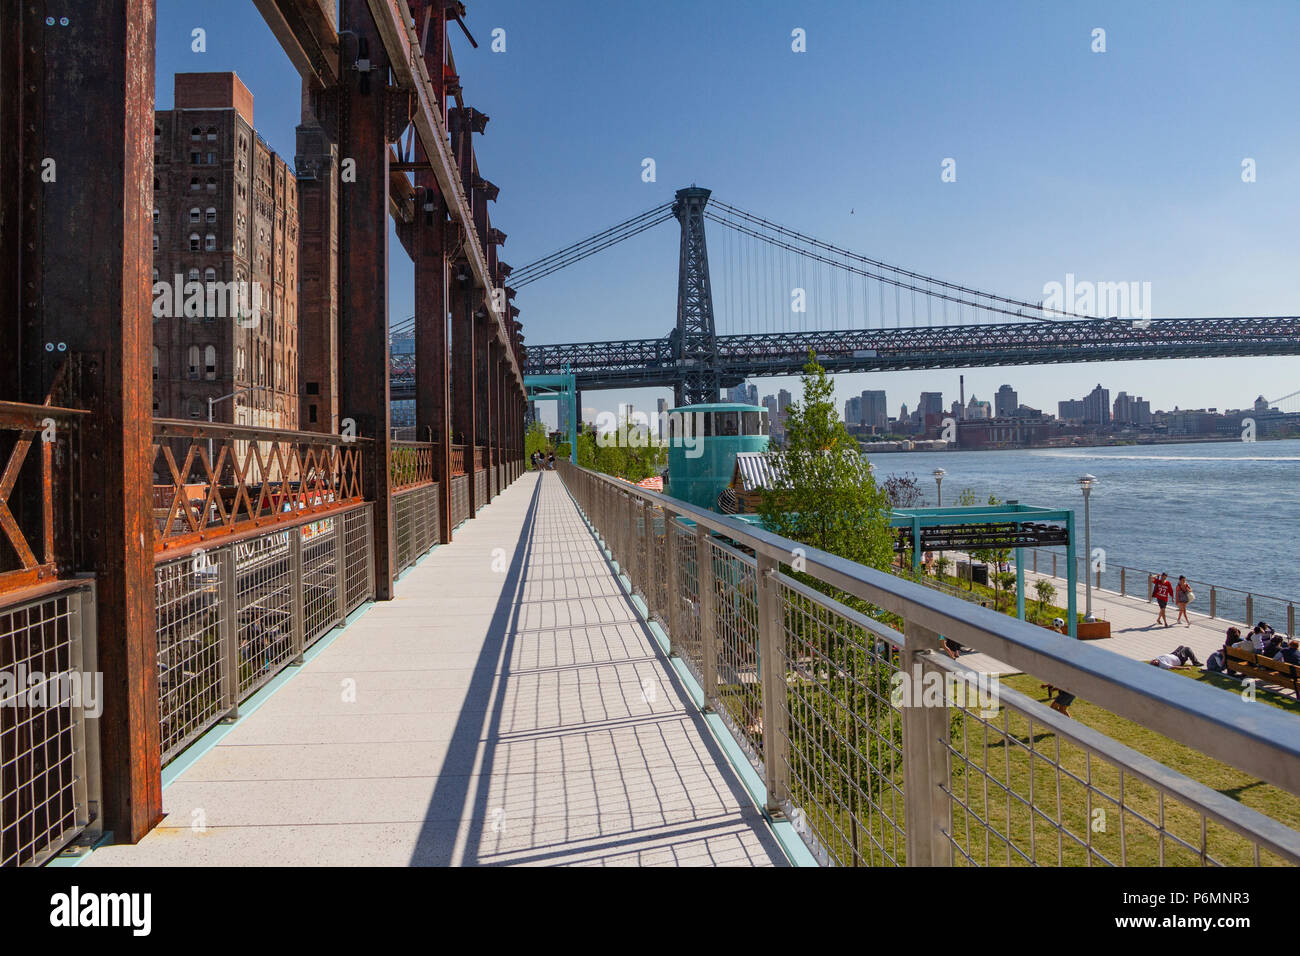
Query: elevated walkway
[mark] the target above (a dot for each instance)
(508, 707)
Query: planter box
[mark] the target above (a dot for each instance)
(1093, 630)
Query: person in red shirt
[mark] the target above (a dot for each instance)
(1162, 592)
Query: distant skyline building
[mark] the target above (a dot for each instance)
(1006, 402)
(931, 404)
(1096, 407)
(874, 411)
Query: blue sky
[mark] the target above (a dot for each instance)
(1115, 166)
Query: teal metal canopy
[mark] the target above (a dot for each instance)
(557, 388)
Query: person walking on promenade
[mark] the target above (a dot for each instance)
(1162, 592)
(1182, 596)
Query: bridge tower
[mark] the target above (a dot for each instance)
(697, 346)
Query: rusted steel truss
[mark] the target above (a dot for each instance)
(215, 481)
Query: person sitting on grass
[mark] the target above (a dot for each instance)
(1181, 656)
(1218, 661)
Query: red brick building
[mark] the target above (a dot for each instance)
(225, 221)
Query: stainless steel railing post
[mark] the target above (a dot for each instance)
(296, 590)
(708, 622)
(772, 672)
(228, 629)
(673, 585)
(927, 807)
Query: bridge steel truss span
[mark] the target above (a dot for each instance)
(637, 363)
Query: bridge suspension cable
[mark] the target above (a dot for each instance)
(591, 245)
(824, 254)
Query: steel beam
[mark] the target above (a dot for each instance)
(85, 300)
(363, 271)
(432, 369)
(307, 31)
(402, 41)
(464, 405)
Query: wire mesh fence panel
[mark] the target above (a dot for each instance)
(480, 489)
(659, 543)
(189, 597)
(263, 608)
(459, 499)
(43, 769)
(686, 639)
(358, 583)
(320, 578)
(1029, 788)
(844, 730)
(404, 528)
(739, 692)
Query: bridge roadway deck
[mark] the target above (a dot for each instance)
(510, 714)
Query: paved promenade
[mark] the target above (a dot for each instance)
(1133, 630)
(506, 708)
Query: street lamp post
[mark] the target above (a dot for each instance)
(220, 398)
(1086, 482)
(938, 487)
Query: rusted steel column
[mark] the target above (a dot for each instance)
(464, 405)
(84, 243)
(363, 269)
(482, 382)
(432, 371)
(318, 261)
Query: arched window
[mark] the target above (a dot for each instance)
(155, 215)
(212, 184)
(155, 275)
(194, 184)
(210, 242)
(210, 362)
(155, 363)
(212, 133)
(209, 274)
(194, 361)
(157, 134)
(194, 214)
(155, 242)
(194, 275)
(196, 408)
(211, 214)
(194, 242)
(196, 133)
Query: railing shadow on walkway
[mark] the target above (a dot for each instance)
(465, 779)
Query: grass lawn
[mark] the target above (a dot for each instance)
(998, 774)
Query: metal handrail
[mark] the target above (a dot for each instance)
(1258, 740)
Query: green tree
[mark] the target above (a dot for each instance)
(825, 495)
(536, 439)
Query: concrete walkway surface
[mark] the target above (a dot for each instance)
(508, 707)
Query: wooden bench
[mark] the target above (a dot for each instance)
(1242, 661)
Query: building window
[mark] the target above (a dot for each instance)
(195, 133)
(155, 363)
(194, 214)
(195, 158)
(155, 275)
(194, 242)
(211, 214)
(212, 184)
(194, 184)
(157, 134)
(194, 275)
(210, 362)
(157, 184)
(212, 134)
(210, 274)
(155, 215)
(212, 159)
(196, 409)
(194, 361)
(155, 242)
(210, 242)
